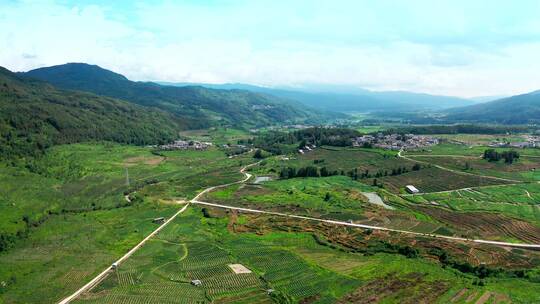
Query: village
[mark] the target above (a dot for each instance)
(531, 141)
(185, 145)
(395, 141)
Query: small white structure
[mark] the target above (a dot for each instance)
(158, 220)
(411, 189)
(196, 282)
(239, 268)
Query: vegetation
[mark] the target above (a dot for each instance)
(458, 129)
(196, 107)
(70, 206)
(281, 142)
(494, 156)
(35, 116)
(525, 109)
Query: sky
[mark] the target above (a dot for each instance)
(459, 48)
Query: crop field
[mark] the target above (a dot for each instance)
(307, 197)
(290, 263)
(524, 169)
(466, 150)
(301, 194)
(372, 161)
(482, 139)
(217, 135)
(166, 267)
(518, 201)
(342, 159)
(486, 225)
(435, 180)
(69, 206)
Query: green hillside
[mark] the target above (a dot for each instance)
(35, 115)
(199, 107)
(520, 109)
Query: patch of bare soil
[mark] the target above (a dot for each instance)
(146, 160)
(411, 288)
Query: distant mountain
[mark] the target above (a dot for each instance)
(35, 115)
(519, 109)
(346, 99)
(197, 106)
(480, 99)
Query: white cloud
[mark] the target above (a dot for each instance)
(255, 42)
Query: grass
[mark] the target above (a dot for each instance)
(306, 196)
(511, 200)
(291, 263)
(525, 168)
(70, 208)
(466, 150)
(218, 135)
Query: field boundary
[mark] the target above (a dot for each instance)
(456, 171)
(105, 272)
(431, 235)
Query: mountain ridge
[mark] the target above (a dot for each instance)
(358, 100)
(35, 115)
(518, 109)
(200, 107)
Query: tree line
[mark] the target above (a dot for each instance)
(493, 156)
(355, 174)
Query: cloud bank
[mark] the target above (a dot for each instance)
(441, 47)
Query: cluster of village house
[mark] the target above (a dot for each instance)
(186, 145)
(395, 141)
(307, 148)
(529, 142)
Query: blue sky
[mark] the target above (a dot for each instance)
(461, 48)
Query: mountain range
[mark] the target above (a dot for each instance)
(35, 115)
(196, 106)
(80, 102)
(519, 109)
(345, 99)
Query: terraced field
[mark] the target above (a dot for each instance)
(524, 169)
(65, 217)
(287, 265)
(516, 201)
(436, 180)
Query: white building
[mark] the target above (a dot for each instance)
(411, 189)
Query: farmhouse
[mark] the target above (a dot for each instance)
(411, 189)
(196, 282)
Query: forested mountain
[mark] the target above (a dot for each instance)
(358, 100)
(197, 106)
(519, 109)
(35, 115)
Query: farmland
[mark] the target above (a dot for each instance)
(380, 164)
(285, 258)
(72, 205)
(69, 206)
(524, 169)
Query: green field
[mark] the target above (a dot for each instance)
(65, 218)
(520, 201)
(524, 169)
(291, 264)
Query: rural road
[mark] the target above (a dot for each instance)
(105, 272)
(456, 171)
(196, 200)
(431, 235)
